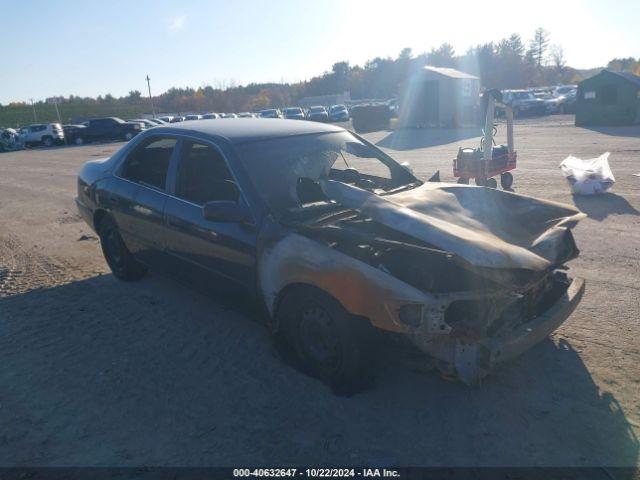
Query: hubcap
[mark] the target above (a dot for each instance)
(319, 338)
(115, 248)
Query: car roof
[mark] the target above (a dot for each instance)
(252, 129)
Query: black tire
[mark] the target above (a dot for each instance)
(463, 181)
(491, 183)
(115, 252)
(47, 141)
(480, 181)
(128, 136)
(322, 339)
(78, 141)
(506, 180)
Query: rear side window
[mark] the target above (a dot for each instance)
(148, 163)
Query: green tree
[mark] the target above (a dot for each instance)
(443, 56)
(538, 46)
(134, 95)
(405, 54)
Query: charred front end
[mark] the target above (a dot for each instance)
(453, 269)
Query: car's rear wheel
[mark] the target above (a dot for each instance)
(324, 340)
(78, 141)
(128, 136)
(118, 257)
(47, 141)
(463, 181)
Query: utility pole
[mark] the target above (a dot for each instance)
(153, 110)
(35, 117)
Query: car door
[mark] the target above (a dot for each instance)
(95, 130)
(110, 127)
(137, 197)
(225, 249)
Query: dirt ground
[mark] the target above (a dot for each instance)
(94, 371)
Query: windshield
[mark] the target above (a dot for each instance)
(285, 171)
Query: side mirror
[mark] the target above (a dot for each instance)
(225, 211)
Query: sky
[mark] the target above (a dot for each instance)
(90, 47)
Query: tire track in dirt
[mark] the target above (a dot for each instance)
(22, 270)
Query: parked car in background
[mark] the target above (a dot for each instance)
(562, 104)
(177, 119)
(561, 90)
(157, 121)
(562, 99)
(228, 115)
(293, 113)
(246, 115)
(210, 116)
(167, 118)
(73, 132)
(524, 102)
(47, 134)
(270, 113)
(109, 128)
(10, 140)
(144, 122)
(193, 117)
(318, 114)
(338, 113)
(342, 245)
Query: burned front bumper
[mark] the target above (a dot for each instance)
(471, 359)
(539, 328)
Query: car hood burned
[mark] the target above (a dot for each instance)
(485, 227)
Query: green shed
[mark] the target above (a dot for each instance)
(608, 98)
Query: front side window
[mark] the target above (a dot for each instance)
(203, 175)
(149, 162)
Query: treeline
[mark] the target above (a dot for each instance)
(509, 63)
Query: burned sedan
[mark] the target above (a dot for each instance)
(337, 240)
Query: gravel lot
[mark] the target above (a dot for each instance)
(94, 371)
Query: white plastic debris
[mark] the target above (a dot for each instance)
(588, 177)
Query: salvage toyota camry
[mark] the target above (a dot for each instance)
(337, 240)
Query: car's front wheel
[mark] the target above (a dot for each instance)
(128, 136)
(324, 340)
(78, 141)
(47, 141)
(116, 253)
